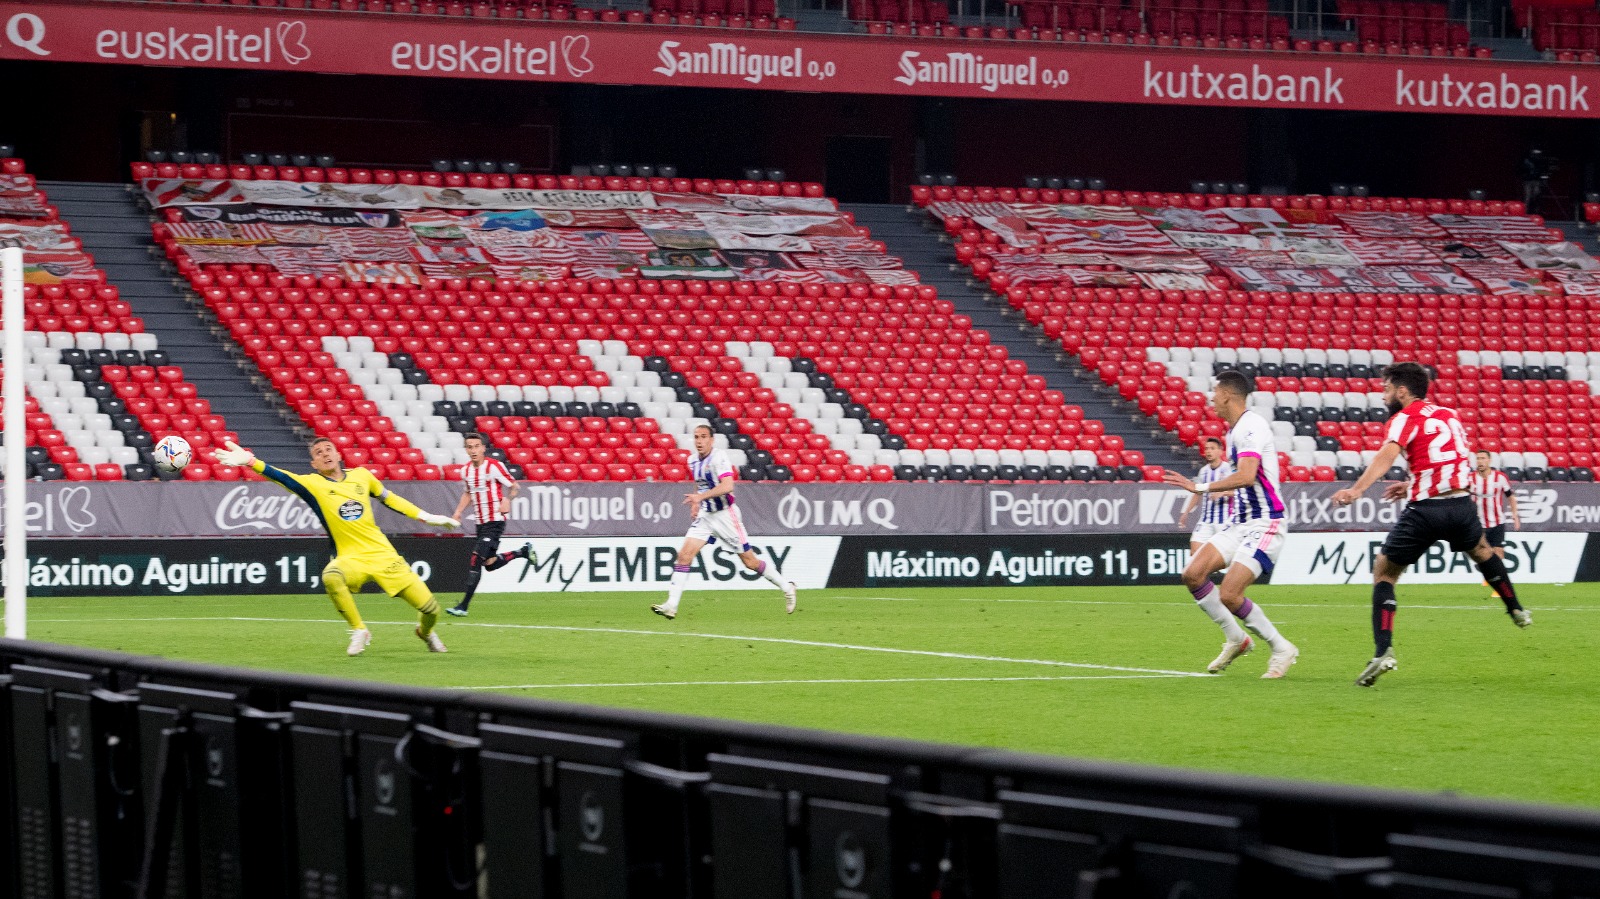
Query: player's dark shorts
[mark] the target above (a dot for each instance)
(489, 534)
(1495, 535)
(1422, 524)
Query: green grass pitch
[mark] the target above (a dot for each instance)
(1476, 707)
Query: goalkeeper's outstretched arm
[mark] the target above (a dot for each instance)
(409, 509)
(234, 454)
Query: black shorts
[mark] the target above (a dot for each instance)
(1422, 524)
(488, 540)
(1495, 535)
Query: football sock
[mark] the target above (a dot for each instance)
(474, 575)
(1494, 571)
(419, 597)
(333, 581)
(680, 576)
(1209, 599)
(770, 572)
(1383, 609)
(1256, 620)
(501, 560)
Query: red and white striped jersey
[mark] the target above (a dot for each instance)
(1436, 449)
(1490, 492)
(486, 484)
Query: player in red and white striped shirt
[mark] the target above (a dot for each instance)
(1440, 508)
(489, 488)
(1491, 490)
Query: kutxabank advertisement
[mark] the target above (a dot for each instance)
(587, 52)
(97, 539)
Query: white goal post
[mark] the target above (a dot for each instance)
(16, 466)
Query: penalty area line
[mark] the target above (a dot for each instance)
(834, 680)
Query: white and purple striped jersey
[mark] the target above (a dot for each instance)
(1252, 436)
(707, 472)
(1215, 508)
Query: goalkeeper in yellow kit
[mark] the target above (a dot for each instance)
(361, 553)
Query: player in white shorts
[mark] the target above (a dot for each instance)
(1249, 546)
(1216, 509)
(715, 517)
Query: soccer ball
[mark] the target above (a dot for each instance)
(172, 454)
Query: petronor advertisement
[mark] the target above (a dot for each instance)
(60, 509)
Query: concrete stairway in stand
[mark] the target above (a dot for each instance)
(115, 230)
(912, 235)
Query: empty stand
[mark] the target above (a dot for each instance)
(811, 352)
(1158, 292)
(100, 389)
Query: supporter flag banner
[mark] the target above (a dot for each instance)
(342, 43)
(655, 509)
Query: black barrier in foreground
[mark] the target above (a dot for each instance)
(135, 778)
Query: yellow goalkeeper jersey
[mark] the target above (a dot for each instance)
(345, 507)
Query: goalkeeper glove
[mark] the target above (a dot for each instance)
(235, 455)
(442, 521)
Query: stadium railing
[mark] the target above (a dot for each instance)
(132, 776)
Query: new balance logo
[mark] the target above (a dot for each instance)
(1160, 506)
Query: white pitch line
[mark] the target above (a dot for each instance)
(852, 646)
(834, 680)
(972, 657)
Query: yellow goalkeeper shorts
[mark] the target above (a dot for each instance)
(390, 573)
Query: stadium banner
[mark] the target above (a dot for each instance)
(587, 564)
(58, 509)
(294, 565)
(216, 568)
(553, 51)
(1075, 560)
(1543, 558)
